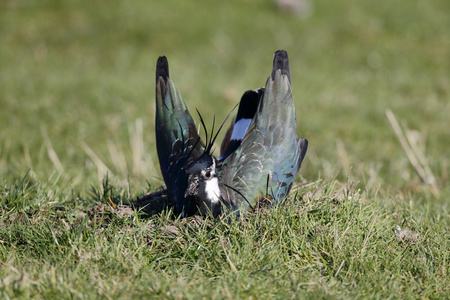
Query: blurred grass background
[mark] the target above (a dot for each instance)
(77, 102)
(78, 77)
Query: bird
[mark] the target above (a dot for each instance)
(260, 155)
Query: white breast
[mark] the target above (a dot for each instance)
(212, 190)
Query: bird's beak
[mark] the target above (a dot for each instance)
(192, 187)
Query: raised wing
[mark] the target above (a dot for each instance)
(177, 140)
(277, 120)
(270, 155)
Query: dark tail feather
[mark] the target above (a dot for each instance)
(249, 104)
(162, 69)
(247, 109)
(303, 146)
(153, 203)
(281, 62)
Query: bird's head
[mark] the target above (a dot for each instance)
(203, 184)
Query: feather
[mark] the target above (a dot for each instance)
(177, 140)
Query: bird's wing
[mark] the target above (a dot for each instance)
(177, 139)
(277, 119)
(270, 154)
(246, 171)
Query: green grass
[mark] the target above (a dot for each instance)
(77, 103)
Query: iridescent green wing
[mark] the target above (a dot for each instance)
(177, 139)
(277, 120)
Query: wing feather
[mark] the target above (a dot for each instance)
(177, 140)
(270, 149)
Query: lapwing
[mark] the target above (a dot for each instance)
(260, 154)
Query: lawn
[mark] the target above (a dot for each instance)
(371, 81)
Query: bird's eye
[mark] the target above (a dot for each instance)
(208, 174)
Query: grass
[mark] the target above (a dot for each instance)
(77, 103)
